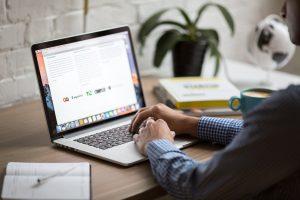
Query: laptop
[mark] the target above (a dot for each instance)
(91, 89)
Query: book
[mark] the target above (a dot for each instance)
(196, 112)
(47, 181)
(193, 92)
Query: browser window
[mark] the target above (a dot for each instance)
(90, 80)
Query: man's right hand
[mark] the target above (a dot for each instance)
(177, 121)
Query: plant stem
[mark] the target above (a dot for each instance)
(193, 33)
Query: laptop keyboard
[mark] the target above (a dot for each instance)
(108, 139)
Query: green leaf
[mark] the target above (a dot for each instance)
(156, 25)
(217, 65)
(149, 25)
(212, 45)
(153, 22)
(214, 52)
(201, 10)
(185, 16)
(165, 43)
(169, 22)
(227, 17)
(210, 34)
(223, 10)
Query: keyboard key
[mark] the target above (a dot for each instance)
(107, 139)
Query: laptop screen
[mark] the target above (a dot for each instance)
(89, 81)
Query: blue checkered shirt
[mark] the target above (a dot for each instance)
(261, 159)
(169, 164)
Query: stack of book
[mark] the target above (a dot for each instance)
(197, 96)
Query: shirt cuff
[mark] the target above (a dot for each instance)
(218, 130)
(156, 148)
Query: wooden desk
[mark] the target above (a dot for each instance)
(24, 138)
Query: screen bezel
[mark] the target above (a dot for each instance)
(53, 133)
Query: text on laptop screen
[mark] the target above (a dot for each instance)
(89, 81)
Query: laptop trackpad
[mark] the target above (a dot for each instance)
(182, 142)
(128, 153)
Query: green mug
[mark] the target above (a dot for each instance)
(249, 99)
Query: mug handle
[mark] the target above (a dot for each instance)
(232, 101)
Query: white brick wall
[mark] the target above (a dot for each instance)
(111, 15)
(39, 30)
(19, 62)
(69, 24)
(3, 67)
(12, 36)
(26, 10)
(2, 12)
(24, 22)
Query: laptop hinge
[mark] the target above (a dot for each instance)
(56, 137)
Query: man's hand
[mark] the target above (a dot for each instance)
(153, 130)
(176, 120)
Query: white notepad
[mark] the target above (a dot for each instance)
(57, 181)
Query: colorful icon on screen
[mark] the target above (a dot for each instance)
(98, 117)
(67, 125)
(58, 129)
(72, 124)
(132, 108)
(102, 116)
(66, 99)
(81, 121)
(89, 93)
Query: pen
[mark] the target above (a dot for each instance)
(45, 178)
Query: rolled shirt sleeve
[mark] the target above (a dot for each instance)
(219, 130)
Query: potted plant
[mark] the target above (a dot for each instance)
(187, 41)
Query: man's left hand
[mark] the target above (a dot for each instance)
(153, 130)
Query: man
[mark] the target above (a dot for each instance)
(261, 159)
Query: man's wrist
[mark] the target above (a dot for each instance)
(190, 125)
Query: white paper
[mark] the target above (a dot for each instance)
(21, 181)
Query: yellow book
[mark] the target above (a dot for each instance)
(194, 92)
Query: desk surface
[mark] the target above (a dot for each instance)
(24, 138)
